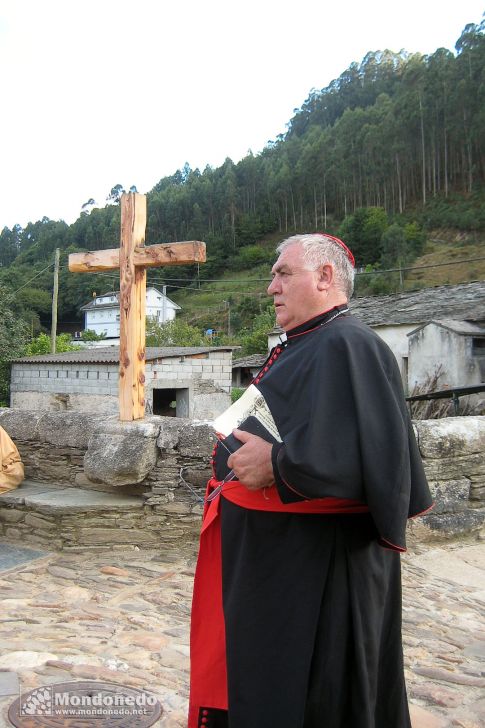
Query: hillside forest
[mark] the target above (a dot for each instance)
(389, 156)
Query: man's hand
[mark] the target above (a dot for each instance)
(252, 462)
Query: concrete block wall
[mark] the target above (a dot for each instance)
(64, 379)
(94, 387)
(215, 366)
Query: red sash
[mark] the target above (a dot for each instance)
(208, 677)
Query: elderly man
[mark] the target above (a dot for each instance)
(296, 619)
(12, 472)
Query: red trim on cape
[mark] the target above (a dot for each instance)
(423, 513)
(208, 676)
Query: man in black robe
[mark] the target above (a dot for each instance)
(311, 584)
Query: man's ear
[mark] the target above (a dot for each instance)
(325, 277)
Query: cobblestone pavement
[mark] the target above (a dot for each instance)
(123, 616)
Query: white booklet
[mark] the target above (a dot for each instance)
(250, 404)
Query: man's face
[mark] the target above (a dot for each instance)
(295, 291)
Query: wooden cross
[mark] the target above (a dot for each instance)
(133, 258)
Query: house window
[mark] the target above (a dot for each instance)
(478, 346)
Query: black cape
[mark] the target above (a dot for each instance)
(336, 395)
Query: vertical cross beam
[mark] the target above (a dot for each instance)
(132, 309)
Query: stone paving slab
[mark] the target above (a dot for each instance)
(12, 555)
(26, 489)
(124, 617)
(60, 500)
(9, 684)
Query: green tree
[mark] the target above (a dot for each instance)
(173, 333)
(255, 339)
(9, 244)
(394, 247)
(35, 299)
(415, 239)
(90, 335)
(363, 232)
(115, 194)
(14, 334)
(42, 345)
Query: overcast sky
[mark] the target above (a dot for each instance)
(100, 92)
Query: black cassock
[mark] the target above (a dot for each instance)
(312, 602)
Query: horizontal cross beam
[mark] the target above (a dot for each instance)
(150, 256)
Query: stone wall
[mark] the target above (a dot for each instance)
(155, 471)
(164, 463)
(453, 451)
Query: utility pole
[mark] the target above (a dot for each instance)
(164, 304)
(54, 302)
(228, 305)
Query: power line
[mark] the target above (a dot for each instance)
(112, 277)
(33, 279)
(418, 267)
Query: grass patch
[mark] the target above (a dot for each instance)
(438, 251)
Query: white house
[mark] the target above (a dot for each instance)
(396, 316)
(102, 314)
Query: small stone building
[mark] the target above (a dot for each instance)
(193, 382)
(245, 369)
(458, 346)
(396, 316)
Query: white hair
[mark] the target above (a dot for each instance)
(319, 249)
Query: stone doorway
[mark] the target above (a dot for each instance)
(171, 402)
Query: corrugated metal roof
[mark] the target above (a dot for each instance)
(111, 355)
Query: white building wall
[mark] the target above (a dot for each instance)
(106, 320)
(103, 321)
(396, 337)
(159, 309)
(434, 346)
(160, 315)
